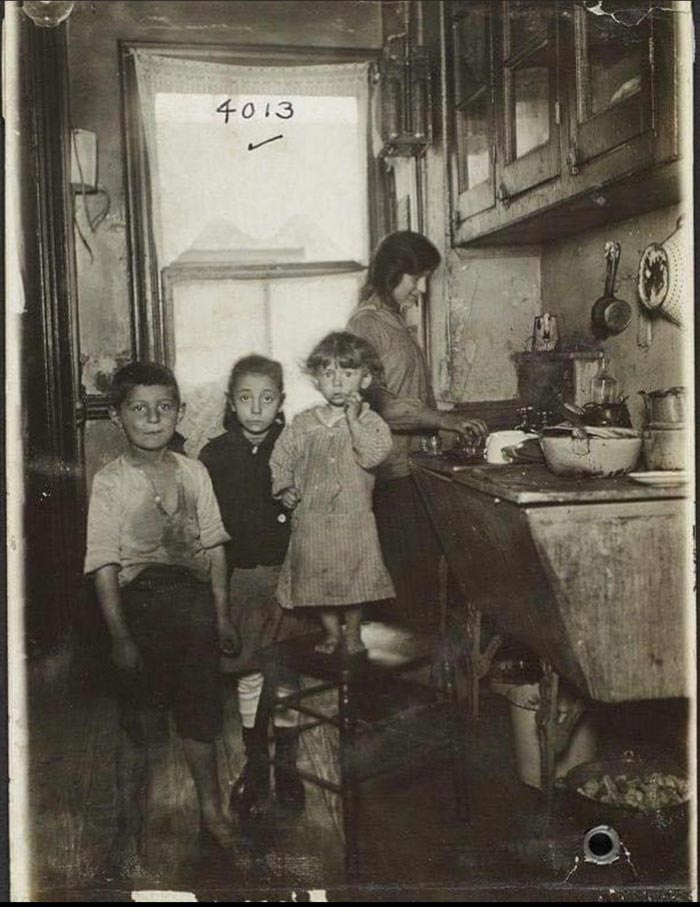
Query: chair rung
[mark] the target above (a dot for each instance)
(319, 782)
(320, 717)
(310, 725)
(285, 700)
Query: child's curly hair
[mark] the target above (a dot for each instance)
(349, 351)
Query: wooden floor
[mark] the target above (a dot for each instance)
(412, 847)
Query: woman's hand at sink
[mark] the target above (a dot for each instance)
(472, 429)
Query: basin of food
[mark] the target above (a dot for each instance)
(646, 799)
(591, 451)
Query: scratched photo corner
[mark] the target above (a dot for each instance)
(350, 450)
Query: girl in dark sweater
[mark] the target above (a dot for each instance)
(238, 463)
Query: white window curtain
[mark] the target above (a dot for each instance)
(212, 196)
(301, 198)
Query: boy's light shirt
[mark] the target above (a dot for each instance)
(126, 527)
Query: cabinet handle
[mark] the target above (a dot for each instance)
(503, 195)
(573, 159)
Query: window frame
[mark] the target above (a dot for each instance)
(151, 320)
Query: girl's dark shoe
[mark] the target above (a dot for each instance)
(289, 788)
(251, 790)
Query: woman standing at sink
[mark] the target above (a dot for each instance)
(398, 275)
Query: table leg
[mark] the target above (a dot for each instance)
(554, 730)
(479, 662)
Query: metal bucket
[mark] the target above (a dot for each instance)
(524, 701)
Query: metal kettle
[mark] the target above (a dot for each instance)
(666, 405)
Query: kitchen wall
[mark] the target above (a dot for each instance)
(95, 103)
(573, 272)
(491, 301)
(482, 306)
(482, 302)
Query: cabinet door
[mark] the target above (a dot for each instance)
(529, 140)
(472, 157)
(613, 86)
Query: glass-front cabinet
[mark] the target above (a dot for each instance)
(612, 88)
(528, 103)
(549, 102)
(473, 148)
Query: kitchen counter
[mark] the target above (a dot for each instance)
(535, 484)
(592, 574)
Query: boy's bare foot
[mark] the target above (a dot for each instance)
(328, 646)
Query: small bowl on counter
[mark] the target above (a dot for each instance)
(590, 451)
(499, 443)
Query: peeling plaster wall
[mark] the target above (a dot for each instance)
(482, 306)
(95, 104)
(573, 274)
(492, 304)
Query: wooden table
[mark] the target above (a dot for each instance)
(592, 574)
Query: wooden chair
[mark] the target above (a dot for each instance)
(386, 718)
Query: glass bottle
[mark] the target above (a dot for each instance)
(603, 385)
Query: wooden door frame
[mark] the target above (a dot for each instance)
(55, 494)
(148, 315)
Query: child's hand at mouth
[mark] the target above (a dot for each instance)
(353, 405)
(290, 497)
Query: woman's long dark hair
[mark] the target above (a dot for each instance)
(402, 252)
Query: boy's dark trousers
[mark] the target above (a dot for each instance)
(171, 618)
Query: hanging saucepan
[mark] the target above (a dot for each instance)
(610, 315)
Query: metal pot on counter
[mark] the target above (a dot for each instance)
(669, 405)
(665, 439)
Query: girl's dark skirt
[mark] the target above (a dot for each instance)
(259, 619)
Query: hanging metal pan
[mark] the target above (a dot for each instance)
(610, 315)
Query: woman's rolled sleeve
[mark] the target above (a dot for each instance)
(403, 413)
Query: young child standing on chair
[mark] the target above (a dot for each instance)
(322, 470)
(239, 465)
(155, 549)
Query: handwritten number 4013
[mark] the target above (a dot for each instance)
(285, 110)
